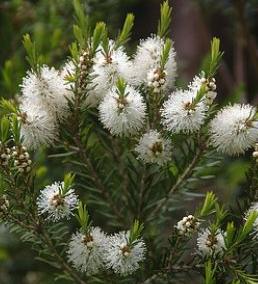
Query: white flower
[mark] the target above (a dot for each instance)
(156, 79)
(48, 89)
(123, 258)
(253, 208)
(123, 115)
(181, 115)
(38, 126)
(55, 203)
(209, 87)
(153, 148)
(187, 225)
(234, 130)
(210, 243)
(86, 251)
(105, 72)
(147, 62)
(68, 69)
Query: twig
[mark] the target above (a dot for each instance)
(187, 172)
(43, 235)
(95, 177)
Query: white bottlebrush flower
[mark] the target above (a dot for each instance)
(181, 115)
(209, 87)
(105, 72)
(86, 251)
(234, 129)
(187, 225)
(123, 258)
(156, 79)
(253, 208)
(49, 89)
(123, 115)
(153, 148)
(38, 126)
(68, 69)
(147, 61)
(210, 243)
(56, 204)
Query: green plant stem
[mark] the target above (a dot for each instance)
(187, 172)
(96, 179)
(60, 259)
(43, 235)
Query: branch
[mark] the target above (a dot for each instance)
(95, 177)
(187, 172)
(43, 235)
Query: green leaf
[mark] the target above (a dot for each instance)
(78, 34)
(97, 35)
(210, 273)
(165, 19)
(125, 34)
(135, 232)
(82, 29)
(32, 54)
(7, 107)
(215, 58)
(15, 127)
(230, 234)
(68, 182)
(208, 205)
(165, 53)
(83, 218)
(248, 226)
(4, 128)
(121, 86)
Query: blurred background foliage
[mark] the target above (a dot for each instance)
(194, 23)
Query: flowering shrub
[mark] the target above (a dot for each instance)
(131, 143)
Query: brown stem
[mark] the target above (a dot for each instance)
(43, 235)
(60, 259)
(96, 179)
(187, 172)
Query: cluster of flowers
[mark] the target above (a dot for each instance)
(210, 242)
(43, 105)
(16, 157)
(91, 251)
(44, 102)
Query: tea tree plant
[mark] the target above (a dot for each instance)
(132, 146)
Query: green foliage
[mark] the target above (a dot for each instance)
(32, 54)
(121, 86)
(208, 205)
(125, 34)
(209, 273)
(165, 19)
(15, 128)
(4, 128)
(165, 53)
(248, 226)
(97, 35)
(135, 232)
(68, 182)
(83, 218)
(215, 57)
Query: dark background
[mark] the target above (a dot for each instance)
(194, 23)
